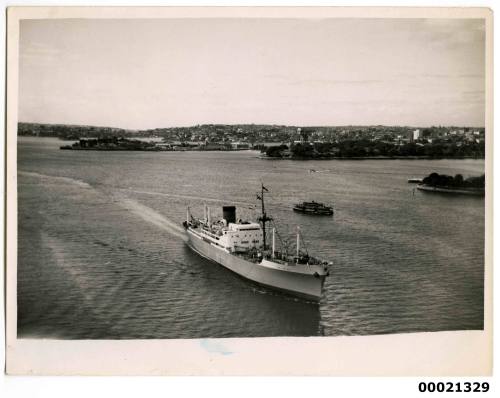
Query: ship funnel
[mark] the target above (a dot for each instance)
(229, 213)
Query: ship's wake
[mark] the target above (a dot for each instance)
(50, 179)
(189, 197)
(151, 216)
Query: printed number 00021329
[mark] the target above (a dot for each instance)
(453, 387)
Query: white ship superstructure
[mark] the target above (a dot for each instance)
(241, 247)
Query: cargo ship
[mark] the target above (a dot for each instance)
(314, 208)
(241, 247)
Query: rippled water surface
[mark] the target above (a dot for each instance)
(102, 253)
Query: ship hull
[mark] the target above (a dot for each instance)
(302, 285)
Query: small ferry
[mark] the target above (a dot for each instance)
(415, 181)
(313, 208)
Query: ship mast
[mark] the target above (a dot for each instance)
(263, 218)
(274, 242)
(298, 242)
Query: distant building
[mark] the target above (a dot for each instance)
(213, 146)
(240, 145)
(416, 134)
(301, 135)
(402, 139)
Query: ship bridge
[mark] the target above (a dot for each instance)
(247, 226)
(241, 237)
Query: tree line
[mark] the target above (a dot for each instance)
(367, 148)
(443, 180)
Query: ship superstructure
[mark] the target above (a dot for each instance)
(241, 247)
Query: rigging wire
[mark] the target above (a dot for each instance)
(303, 243)
(284, 243)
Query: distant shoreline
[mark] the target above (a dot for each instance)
(372, 158)
(458, 191)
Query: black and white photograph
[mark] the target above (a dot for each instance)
(250, 177)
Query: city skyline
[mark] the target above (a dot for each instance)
(143, 74)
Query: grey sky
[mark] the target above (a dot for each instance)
(179, 72)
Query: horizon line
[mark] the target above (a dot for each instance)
(257, 124)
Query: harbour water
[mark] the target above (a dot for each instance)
(102, 253)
